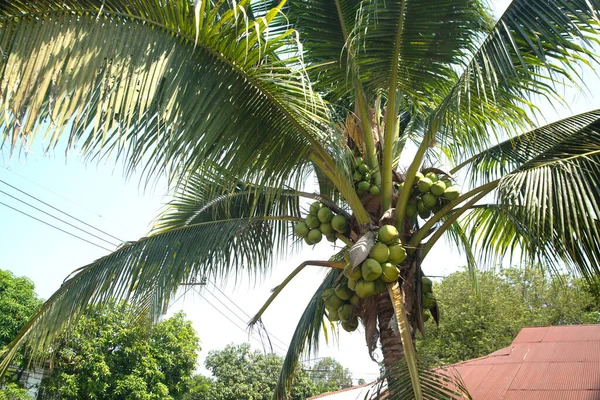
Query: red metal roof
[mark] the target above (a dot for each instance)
(543, 363)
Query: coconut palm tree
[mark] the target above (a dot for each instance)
(239, 102)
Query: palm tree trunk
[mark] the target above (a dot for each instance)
(391, 343)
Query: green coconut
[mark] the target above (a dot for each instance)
(339, 223)
(326, 229)
(379, 286)
(315, 236)
(452, 192)
(312, 221)
(301, 229)
(333, 315)
(432, 176)
(355, 300)
(438, 188)
(351, 273)
(425, 214)
(367, 176)
(351, 325)
(429, 200)
(389, 272)
(387, 234)
(352, 284)
(371, 269)
(343, 292)
(380, 252)
(397, 254)
(325, 215)
(363, 168)
(357, 176)
(327, 293)
(424, 185)
(426, 285)
(345, 312)
(315, 207)
(421, 207)
(411, 210)
(428, 300)
(364, 289)
(359, 161)
(363, 187)
(331, 238)
(307, 241)
(418, 177)
(333, 302)
(374, 190)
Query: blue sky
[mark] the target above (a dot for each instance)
(99, 195)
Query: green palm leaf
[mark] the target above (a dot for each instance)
(218, 237)
(140, 80)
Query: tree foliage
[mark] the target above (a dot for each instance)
(329, 375)
(110, 355)
(511, 299)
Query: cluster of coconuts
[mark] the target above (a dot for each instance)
(427, 297)
(319, 222)
(367, 279)
(364, 179)
(429, 194)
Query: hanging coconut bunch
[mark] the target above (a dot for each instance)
(341, 304)
(319, 222)
(363, 178)
(428, 300)
(429, 194)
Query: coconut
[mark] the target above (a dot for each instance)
(315, 236)
(428, 199)
(411, 210)
(432, 176)
(325, 215)
(387, 234)
(365, 289)
(438, 188)
(339, 223)
(301, 229)
(357, 176)
(425, 214)
(327, 293)
(367, 176)
(418, 177)
(363, 168)
(380, 252)
(421, 207)
(333, 302)
(333, 315)
(452, 192)
(312, 221)
(352, 284)
(345, 312)
(379, 286)
(315, 207)
(355, 300)
(371, 269)
(350, 325)
(426, 285)
(363, 187)
(326, 229)
(331, 238)
(374, 190)
(307, 241)
(397, 254)
(424, 185)
(428, 300)
(351, 273)
(359, 161)
(343, 292)
(390, 272)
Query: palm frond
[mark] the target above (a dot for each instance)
(512, 154)
(535, 46)
(396, 39)
(436, 384)
(306, 336)
(151, 83)
(223, 236)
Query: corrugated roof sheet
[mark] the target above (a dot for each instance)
(561, 362)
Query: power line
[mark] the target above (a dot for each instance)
(54, 208)
(55, 227)
(55, 217)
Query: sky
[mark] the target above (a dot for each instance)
(99, 195)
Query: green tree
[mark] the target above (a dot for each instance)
(109, 355)
(473, 326)
(237, 102)
(242, 374)
(329, 375)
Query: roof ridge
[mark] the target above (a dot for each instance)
(341, 390)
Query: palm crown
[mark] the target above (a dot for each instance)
(239, 102)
